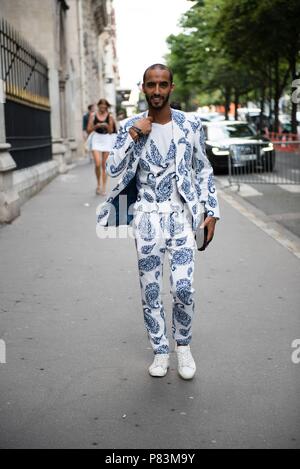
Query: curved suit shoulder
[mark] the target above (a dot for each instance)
(194, 119)
(129, 121)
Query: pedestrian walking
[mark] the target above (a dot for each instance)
(160, 158)
(101, 126)
(85, 121)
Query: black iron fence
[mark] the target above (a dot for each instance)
(273, 163)
(27, 107)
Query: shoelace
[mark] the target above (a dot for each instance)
(185, 358)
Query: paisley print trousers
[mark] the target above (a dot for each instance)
(155, 234)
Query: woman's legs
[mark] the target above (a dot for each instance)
(103, 167)
(96, 156)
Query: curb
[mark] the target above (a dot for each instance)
(276, 231)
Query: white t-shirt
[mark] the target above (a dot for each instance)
(156, 173)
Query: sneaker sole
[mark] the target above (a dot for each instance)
(186, 379)
(158, 376)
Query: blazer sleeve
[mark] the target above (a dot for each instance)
(120, 155)
(204, 176)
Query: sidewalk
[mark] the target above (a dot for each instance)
(77, 353)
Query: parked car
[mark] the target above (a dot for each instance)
(240, 142)
(253, 116)
(211, 116)
(203, 117)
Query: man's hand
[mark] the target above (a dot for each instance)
(145, 125)
(210, 223)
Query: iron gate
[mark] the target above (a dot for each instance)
(275, 163)
(27, 108)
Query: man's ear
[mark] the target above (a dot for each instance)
(173, 87)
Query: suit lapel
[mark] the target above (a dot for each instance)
(131, 167)
(180, 133)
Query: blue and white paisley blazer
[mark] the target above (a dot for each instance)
(194, 174)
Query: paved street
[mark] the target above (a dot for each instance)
(77, 353)
(277, 194)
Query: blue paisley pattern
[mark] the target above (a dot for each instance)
(182, 169)
(162, 349)
(184, 291)
(173, 226)
(179, 119)
(211, 184)
(198, 189)
(144, 165)
(150, 263)
(102, 214)
(181, 257)
(164, 188)
(176, 238)
(156, 176)
(198, 165)
(202, 140)
(157, 340)
(147, 249)
(188, 140)
(184, 341)
(171, 155)
(155, 156)
(118, 169)
(152, 295)
(148, 197)
(181, 241)
(146, 228)
(120, 140)
(152, 324)
(181, 316)
(192, 181)
(185, 332)
(127, 177)
(212, 201)
(194, 125)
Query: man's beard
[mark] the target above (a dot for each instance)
(163, 103)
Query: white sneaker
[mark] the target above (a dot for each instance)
(186, 364)
(160, 365)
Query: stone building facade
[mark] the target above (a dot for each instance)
(77, 39)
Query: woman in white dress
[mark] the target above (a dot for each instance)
(101, 126)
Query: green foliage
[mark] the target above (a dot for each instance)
(236, 47)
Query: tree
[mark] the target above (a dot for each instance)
(238, 48)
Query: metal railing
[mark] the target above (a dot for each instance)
(23, 70)
(263, 163)
(24, 73)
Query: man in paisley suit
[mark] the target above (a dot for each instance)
(159, 157)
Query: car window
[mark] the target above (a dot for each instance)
(220, 132)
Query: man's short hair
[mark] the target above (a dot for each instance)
(90, 107)
(160, 67)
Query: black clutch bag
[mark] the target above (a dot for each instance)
(201, 234)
